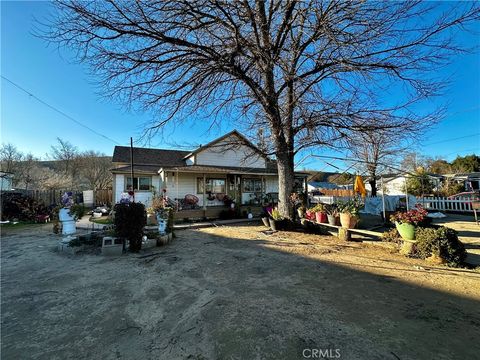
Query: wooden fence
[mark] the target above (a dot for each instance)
(337, 192)
(49, 197)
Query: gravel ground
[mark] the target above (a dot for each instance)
(233, 293)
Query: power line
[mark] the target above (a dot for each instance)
(451, 139)
(58, 111)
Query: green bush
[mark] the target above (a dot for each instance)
(130, 219)
(392, 235)
(443, 242)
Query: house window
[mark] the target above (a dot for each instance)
(215, 186)
(252, 185)
(139, 183)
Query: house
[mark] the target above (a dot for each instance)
(394, 184)
(470, 181)
(6, 180)
(228, 166)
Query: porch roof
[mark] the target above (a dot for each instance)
(227, 170)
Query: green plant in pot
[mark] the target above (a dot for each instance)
(276, 220)
(405, 223)
(349, 212)
(332, 213)
(320, 214)
(301, 211)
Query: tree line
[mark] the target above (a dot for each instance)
(65, 167)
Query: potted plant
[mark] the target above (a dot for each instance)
(405, 222)
(332, 213)
(349, 213)
(69, 213)
(320, 214)
(276, 220)
(301, 211)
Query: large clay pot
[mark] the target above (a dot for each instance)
(348, 221)
(406, 231)
(68, 222)
(321, 217)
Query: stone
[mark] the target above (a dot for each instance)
(112, 250)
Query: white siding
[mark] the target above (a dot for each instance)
(119, 186)
(225, 155)
(144, 197)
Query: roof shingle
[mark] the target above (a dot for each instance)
(145, 156)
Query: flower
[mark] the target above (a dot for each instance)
(413, 216)
(67, 199)
(126, 197)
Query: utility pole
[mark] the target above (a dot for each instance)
(131, 167)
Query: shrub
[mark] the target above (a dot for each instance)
(392, 235)
(442, 242)
(130, 219)
(412, 216)
(16, 206)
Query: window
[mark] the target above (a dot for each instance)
(252, 185)
(215, 186)
(139, 183)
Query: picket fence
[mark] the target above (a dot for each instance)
(461, 204)
(433, 203)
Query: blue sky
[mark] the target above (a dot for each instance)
(56, 79)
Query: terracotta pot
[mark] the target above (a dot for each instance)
(348, 221)
(406, 231)
(321, 217)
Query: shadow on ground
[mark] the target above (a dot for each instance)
(215, 297)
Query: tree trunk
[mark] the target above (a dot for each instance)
(286, 179)
(373, 185)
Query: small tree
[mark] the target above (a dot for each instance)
(420, 183)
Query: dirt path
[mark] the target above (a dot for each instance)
(234, 293)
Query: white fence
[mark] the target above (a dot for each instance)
(315, 199)
(463, 204)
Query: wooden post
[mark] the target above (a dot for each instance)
(204, 192)
(344, 234)
(131, 167)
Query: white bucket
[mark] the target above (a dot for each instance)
(88, 198)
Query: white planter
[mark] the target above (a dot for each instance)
(68, 222)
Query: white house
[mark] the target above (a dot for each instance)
(394, 184)
(228, 166)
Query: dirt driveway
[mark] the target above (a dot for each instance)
(234, 293)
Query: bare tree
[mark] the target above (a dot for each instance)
(65, 153)
(9, 158)
(308, 72)
(376, 149)
(95, 167)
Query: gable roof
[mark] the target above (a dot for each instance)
(242, 138)
(147, 156)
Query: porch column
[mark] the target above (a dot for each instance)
(204, 192)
